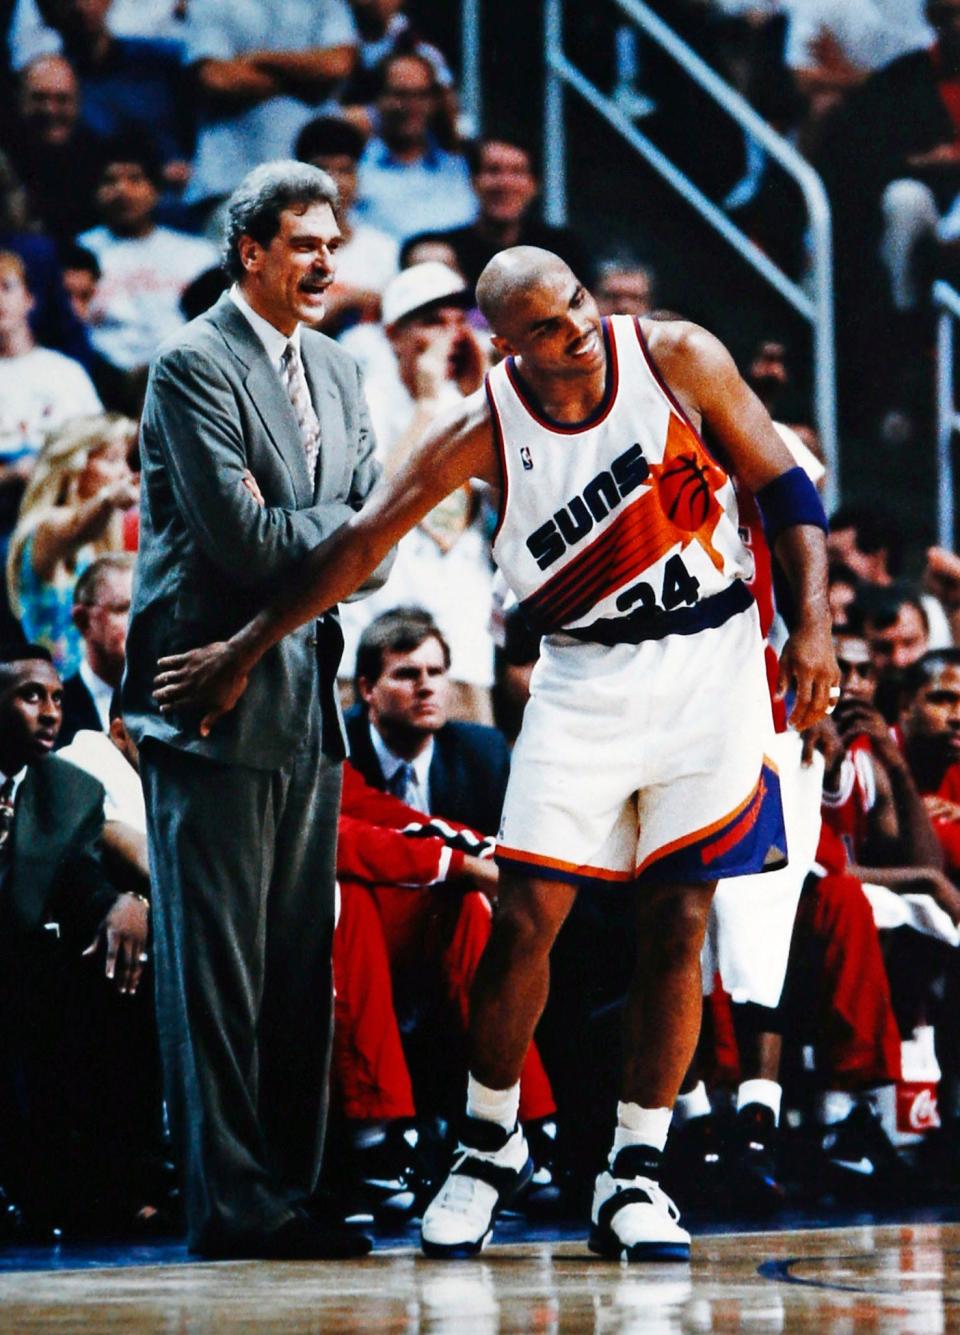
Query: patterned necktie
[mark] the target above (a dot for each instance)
(6, 817)
(295, 383)
(403, 784)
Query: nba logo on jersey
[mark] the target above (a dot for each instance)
(525, 458)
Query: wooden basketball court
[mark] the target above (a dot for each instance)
(893, 1279)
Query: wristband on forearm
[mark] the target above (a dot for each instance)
(789, 500)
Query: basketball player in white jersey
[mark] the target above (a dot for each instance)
(642, 756)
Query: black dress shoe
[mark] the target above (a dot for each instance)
(299, 1239)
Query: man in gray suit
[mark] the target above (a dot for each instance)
(255, 445)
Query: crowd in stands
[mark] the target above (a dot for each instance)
(126, 126)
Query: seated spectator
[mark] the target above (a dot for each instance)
(503, 180)
(624, 287)
(444, 564)
(72, 512)
(81, 274)
(51, 318)
(39, 390)
(400, 737)
(415, 917)
(384, 30)
(407, 182)
(57, 158)
(144, 268)
(101, 611)
(842, 589)
(870, 798)
(69, 1148)
(262, 70)
(126, 81)
(895, 626)
(866, 540)
(929, 721)
(366, 258)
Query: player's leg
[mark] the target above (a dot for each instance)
(664, 1004)
(509, 993)
(632, 1218)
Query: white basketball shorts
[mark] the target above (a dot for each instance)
(646, 762)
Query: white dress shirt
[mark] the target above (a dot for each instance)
(101, 693)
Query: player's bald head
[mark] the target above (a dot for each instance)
(511, 276)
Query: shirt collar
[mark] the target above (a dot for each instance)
(101, 693)
(273, 340)
(390, 762)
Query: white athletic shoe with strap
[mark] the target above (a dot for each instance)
(633, 1218)
(490, 1166)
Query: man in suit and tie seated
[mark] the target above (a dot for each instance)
(101, 613)
(401, 739)
(255, 446)
(56, 904)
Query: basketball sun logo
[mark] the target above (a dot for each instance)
(687, 481)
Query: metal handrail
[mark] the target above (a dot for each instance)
(947, 301)
(818, 309)
(471, 80)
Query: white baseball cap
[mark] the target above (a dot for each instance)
(421, 285)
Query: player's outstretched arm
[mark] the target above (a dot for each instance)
(458, 446)
(705, 378)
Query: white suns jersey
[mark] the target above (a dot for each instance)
(624, 513)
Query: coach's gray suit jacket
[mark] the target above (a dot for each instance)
(210, 556)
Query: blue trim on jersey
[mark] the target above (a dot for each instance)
(639, 627)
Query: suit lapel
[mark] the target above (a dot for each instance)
(439, 778)
(262, 382)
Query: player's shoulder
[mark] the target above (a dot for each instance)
(685, 352)
(670, 335)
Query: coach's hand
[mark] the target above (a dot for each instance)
(809, 666)
(209, 680)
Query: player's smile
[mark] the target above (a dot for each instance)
(588, 347)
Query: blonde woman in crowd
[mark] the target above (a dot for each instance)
(72, 512)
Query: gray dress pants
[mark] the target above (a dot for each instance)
(242, 868)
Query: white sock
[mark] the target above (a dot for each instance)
(833, 1106)
(695, 1103)
(640, 1126)
(493, 1105)
(767, 1092)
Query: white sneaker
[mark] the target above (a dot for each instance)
(633, 1218)
(490, 1166)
